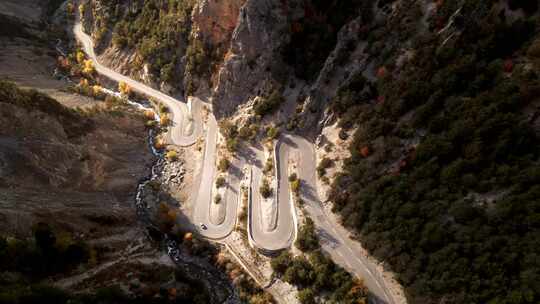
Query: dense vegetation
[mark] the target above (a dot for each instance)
(267, 105)
(449, 194)
(24, 263)
(314, 35)
(159, 31)
(317, 275)
(307, 239)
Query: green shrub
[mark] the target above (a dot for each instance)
(313, 39)
(293, 177)
(324, 164)
(272, 132)
(307, 239)
(265, 189)
(470, 140)
(220, 182)
(232, 144)
(172, 155)
(228, 129)
(295, 186)
(280, 263)
(268, 166)
(157, 30)
(267, 105)
(73, 123)
(300, 272)
(306, 296)
(320, 275)
(224, 165)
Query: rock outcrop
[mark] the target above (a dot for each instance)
(248, 65)
(216, 20)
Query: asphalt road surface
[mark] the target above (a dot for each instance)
(281, 232)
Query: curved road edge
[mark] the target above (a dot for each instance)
(179, 110)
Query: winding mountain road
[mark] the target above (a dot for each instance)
(272, 232)
(187, 127)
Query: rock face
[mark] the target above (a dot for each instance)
(249, 62)
(216, 20)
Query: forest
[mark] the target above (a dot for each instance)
(158, 30)
(314, 35)
(315, 274)
(443, 182)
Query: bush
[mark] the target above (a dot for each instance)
(164, 120)
(74, 123)
(224, 165)
(472, 137)
(124, 89)
(269, 104)
(307, 238)
(272, 132)
(232, 144)
(313, 39)
(534, 49)
(293, 177)
(343, 134)
(295, 186)
(280, 263)
(268, 166)
(220, 182)
(529, 6)
(43, 256)
(163, 109)
(306, 296)
(248, 132)
(300, 272)
(265, 189)
(198, 58)
(319, 274)
(324, 164)
(157, 31)
(172, 155)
